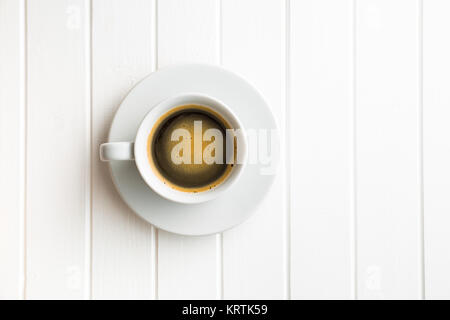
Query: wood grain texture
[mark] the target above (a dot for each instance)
(188, 267)
(321, 149)
(123, 244)
(360, 90)
(57, 155)
(388, 150)
(12, 147)
(436, 140)
(254, 46)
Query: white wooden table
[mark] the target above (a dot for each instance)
(360, 209)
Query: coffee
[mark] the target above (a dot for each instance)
(176, 148)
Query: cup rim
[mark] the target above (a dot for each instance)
(141, 157)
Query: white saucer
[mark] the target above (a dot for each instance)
(238, 203)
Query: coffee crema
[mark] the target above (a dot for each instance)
(192, 176)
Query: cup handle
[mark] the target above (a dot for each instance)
(117, 151)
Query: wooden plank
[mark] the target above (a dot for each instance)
(436, 133)
(123, 244)
(320, 120)
(188, 268)
(253, 45)
(57, 155)
(388, 150)
(12, 148)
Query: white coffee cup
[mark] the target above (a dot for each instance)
(138, 150)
